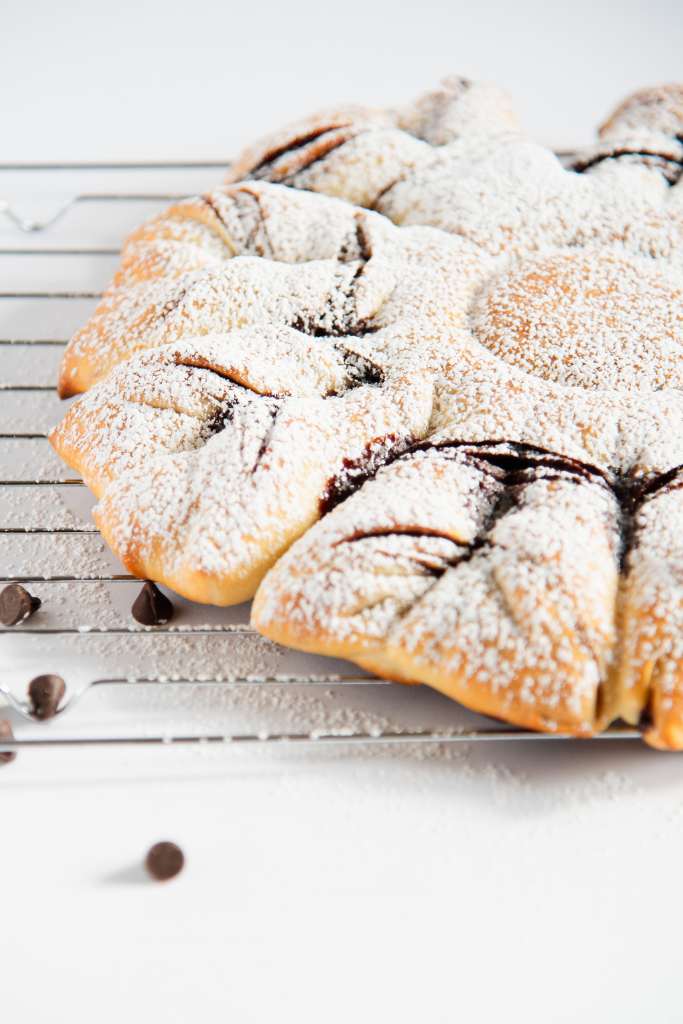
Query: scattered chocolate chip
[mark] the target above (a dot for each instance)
(45, 694)
(6, 734)
(151, 607)
(16, 604)
(164, 860)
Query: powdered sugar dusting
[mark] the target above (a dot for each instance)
(519, 375)
(212, 454)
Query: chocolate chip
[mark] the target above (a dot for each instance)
(45, 694)
(6, 734)
(164, 860)
(16, 604)
(151, 607)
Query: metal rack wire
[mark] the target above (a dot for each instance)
(28, 470)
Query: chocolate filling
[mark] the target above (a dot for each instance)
(251, 243)
(385, 191)
(339, 318)
(388, 531)
(338, 328)
(670, 481)
(361, 372)
(273, 410)
(515, 468)
(358, 247)
(291, 146)
(354, 472)
(222, 418)
(670, 167)
(632, 495)
(320, 154)
(522, 460)
(647, 718)
(209, 201)
(463, 551)
(521, 466)
(518, 457)
(627, 497)
(260, 170)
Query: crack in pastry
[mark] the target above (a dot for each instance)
(339, 316)
(317, 145)
(360, 369)
(514, 457)
(671, 168)
(326, 145)
(378, 452)
(254, 231)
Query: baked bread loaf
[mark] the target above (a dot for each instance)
(476, 436)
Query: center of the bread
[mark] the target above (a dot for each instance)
(587, 319)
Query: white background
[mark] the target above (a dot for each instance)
(504, 883)
(197, 78)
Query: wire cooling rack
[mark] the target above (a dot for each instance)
(206, 677)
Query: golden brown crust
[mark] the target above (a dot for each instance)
(651, 664)
(502, 595)
(188, 237)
